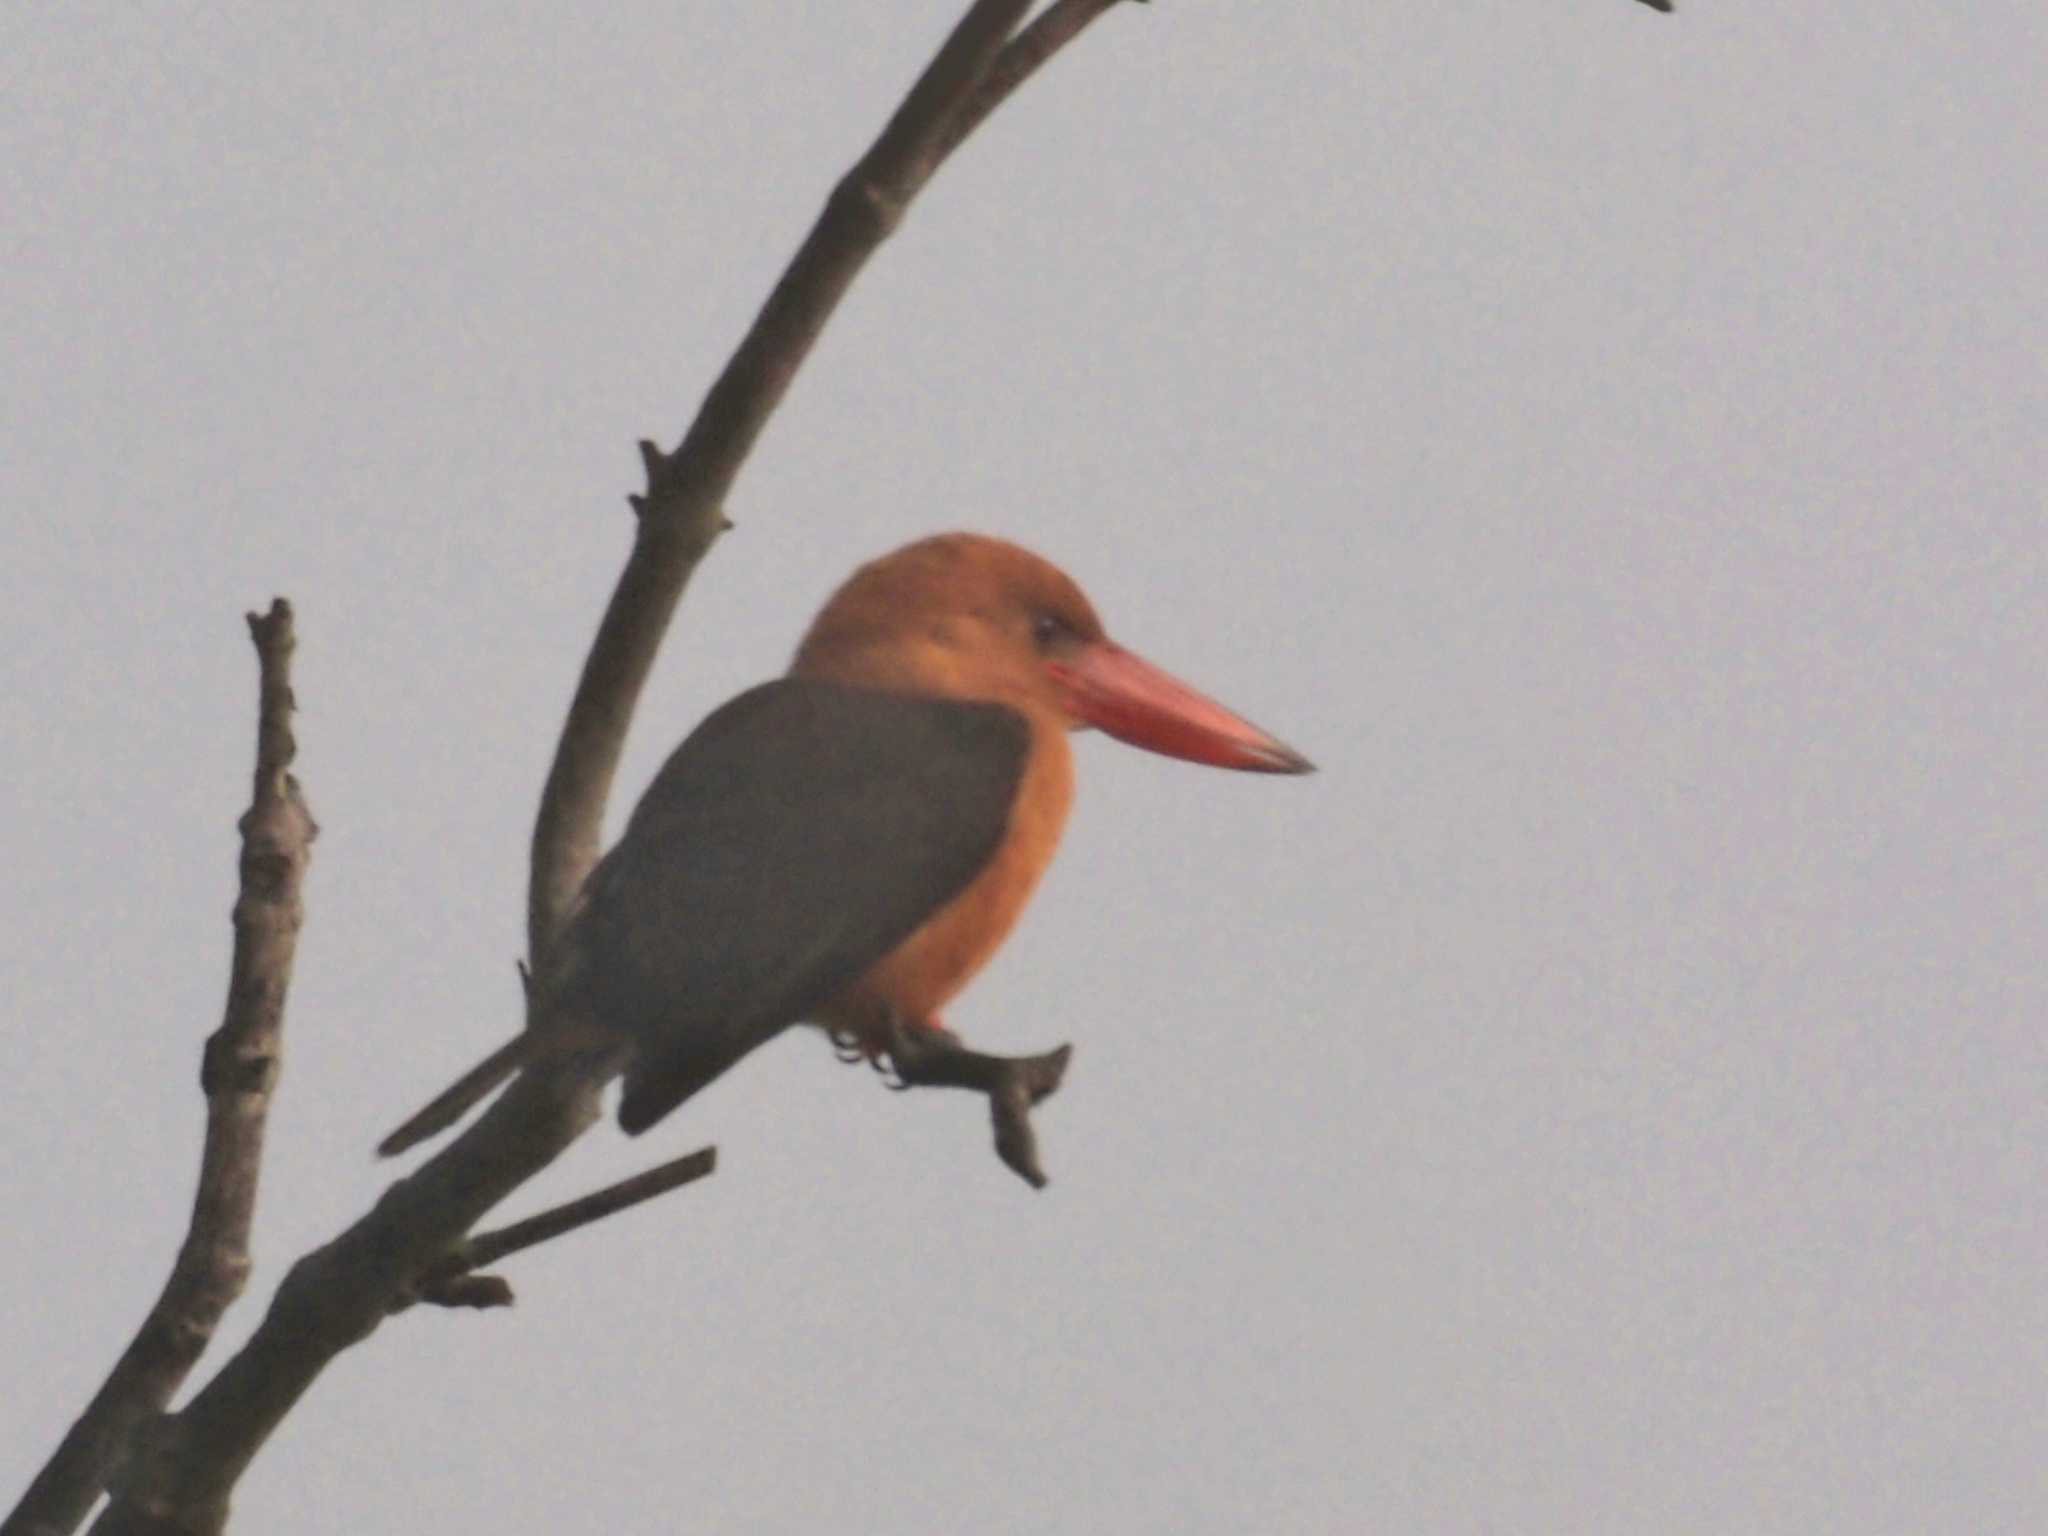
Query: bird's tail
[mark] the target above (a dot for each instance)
(462, 1095)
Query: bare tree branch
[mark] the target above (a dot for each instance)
(240, 1071)
(186, 1467)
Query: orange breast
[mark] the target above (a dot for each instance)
(928, 969)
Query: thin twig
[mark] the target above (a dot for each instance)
(490, 1247)
(239, 1073)
(1051, 30)
(454, 1281)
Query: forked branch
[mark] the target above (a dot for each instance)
(187, 1466)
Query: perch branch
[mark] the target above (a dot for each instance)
(239, 1071)
(931, 1058)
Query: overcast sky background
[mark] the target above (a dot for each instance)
(1610, 1097)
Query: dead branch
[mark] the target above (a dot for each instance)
(239, 1073)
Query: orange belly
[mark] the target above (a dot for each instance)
(927, 970)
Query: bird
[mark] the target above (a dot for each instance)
(847, 845)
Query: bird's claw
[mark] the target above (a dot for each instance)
(850, 1048)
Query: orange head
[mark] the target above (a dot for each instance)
(968, 616)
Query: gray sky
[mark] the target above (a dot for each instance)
(1608, 1098)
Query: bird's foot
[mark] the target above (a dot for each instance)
(851, 1047)
(926, 1056)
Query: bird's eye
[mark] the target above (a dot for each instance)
(1046, 631)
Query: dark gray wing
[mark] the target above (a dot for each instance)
(802, 832)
